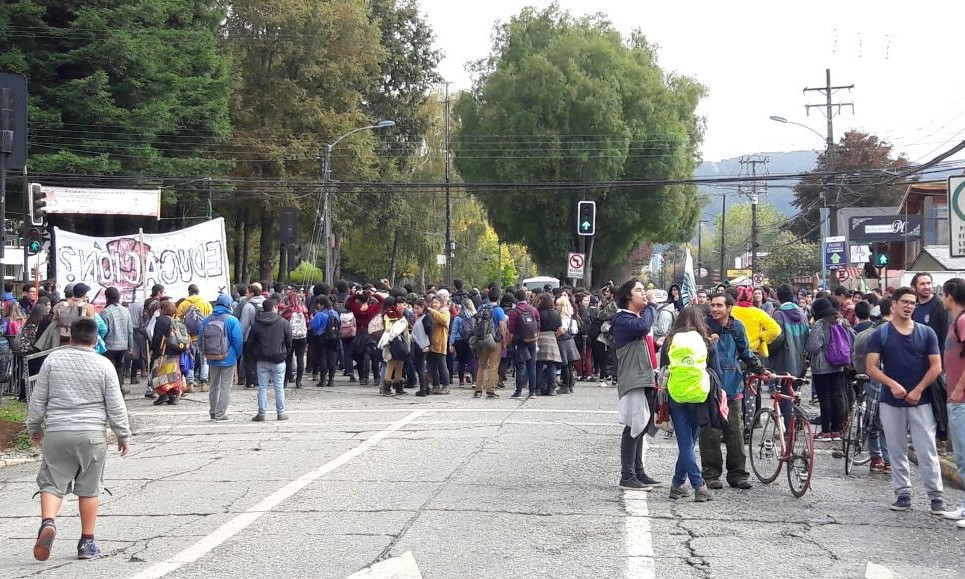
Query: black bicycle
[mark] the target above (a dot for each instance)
(854, 442)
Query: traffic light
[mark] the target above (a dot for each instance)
(880, 255)
(586, 218)
(35, 240)
(37, 202)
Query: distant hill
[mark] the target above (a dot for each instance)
(778, 194)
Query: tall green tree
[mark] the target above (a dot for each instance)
(562, 102)
(863, 156)
(133, 87)
(737, 233)
(301, 66)
(791, 257)
(407, 75)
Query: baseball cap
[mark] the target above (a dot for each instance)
(81, 289)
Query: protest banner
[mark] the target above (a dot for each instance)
(133, 263)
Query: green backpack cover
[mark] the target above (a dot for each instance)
(689, 382)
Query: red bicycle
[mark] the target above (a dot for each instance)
(776, 439)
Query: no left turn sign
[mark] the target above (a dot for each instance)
(574, 265)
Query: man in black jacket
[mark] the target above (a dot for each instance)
(271, 340)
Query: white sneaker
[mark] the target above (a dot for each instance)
(956, 515)
(960, 524)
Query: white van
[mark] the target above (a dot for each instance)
(540, 282)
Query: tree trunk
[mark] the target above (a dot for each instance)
(282, 263)
(393, 259)
(245, 250)
(266, 247)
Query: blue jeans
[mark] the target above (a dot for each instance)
(686, 430)
(274, 373)
(956, 432)
(526, 371)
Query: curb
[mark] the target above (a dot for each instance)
(16, 461)
(949, 470)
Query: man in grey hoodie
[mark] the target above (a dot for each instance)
(252, 307)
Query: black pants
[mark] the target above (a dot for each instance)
(631, 455)
(438, 368)
(251, 365)
(831, 394)
(419, 362)
(117, 358)
(296, 360)
(601, 359)
(327, 356)
(348, 361)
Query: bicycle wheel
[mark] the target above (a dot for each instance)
(860, 455)
(764, 448)
(800, 463)
(850, 438)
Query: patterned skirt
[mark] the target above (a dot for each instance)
(548, 349)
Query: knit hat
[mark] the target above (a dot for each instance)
(822, 307)
(69, 290)
(224, 300)
(412, 298)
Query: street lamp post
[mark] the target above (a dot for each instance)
(326, 181)
(829, 161)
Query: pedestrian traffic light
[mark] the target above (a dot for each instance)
(34, 240)
(37, 202)
(880, 255)
(586, 218)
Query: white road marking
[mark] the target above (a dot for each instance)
(402, 567)
(245, 519)
(875, 571)
(401, 410)
(638, 539)
(221, 426)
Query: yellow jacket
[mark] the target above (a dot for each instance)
(439, 340)
(761, 328)
(203, 305)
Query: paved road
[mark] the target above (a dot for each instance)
(462, 487)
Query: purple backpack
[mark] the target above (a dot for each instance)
(838, 352)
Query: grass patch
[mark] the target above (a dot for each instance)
(13, 429)
(13, 411)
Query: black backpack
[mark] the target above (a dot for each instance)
(333, 328)
(484, 324)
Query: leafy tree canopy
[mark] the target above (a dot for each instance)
(564, 99)
(134, 87)
(855, 152)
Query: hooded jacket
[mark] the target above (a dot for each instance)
(236, 338)
(761, 328)
(787, 351)
(629, 330)
(731, 348)
(270, 337)
(251, 310)
(817, 344)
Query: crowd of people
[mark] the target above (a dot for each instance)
(915, 382)
(673, 359)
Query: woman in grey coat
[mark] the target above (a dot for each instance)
(120, 333)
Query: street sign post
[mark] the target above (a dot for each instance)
(575, 265)
(956, 216)
(835, 256)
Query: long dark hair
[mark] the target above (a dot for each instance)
(37, 314)
(690, 319)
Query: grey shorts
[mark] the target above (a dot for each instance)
(73, 462)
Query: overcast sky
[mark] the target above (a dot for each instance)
(755, 57)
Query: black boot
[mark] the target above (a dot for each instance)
(628, 452)
(400, 388)
(638, 471)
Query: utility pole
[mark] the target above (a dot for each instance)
(723, 227)
(830, 109)
(753, 163)
(450, 251)
(700, 228)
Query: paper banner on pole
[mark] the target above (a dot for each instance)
(196, 255)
